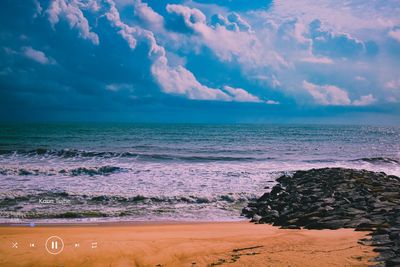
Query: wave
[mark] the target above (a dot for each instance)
(66, 153)
(189, 156)
(103, 170)
(91, 171)
(52, 205)
(379, 160)
(95, 199)
(73, 153)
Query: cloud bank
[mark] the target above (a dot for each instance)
(151, 52)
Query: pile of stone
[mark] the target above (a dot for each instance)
(333, 198)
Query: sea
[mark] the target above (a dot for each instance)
(77, 172)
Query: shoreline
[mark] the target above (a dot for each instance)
(118, 223)
(185, 244)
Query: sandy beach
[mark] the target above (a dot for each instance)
(183, 244)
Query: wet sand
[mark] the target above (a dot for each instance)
(183, 244)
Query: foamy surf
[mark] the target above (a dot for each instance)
(153, 172)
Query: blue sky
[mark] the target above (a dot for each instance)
(200, 61)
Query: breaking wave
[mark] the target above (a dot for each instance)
(86, 206)
(380, 160)
(72, 153)
(91, 171)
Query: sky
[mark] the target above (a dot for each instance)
(230, 61)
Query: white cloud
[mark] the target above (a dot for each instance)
(393, 84)
(172, 80)
(392, 99)
(38, 8)
(365, 100)
(361, 43)
(148, 15)
(272, 102)
(395, 34)
(115, 87)
(239, 22)
(317, 60)
(233, 22)
(268, 50)
(331, 95)
(192, 17)
(125, 30)
(392, 88)
(180, 81)
(294, 31)
(241, 46)
(360, 78)
(275, 82)
(36, 55)
(269, 80)
(175, 80)
(299, 31)
(327, 94)
(337, 44)
(73, 14)
(92, 5)
(354, 14)
(131, 33)
(241, 95)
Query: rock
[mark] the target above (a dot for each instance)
(276, 189)
(274, 213)
(290, 227)
(394, 235)
(365, 242)
(364, 222)
(256, 218)
(364, 229)
(247, 211)
(382, 249)
(381, 240)
(393, 262)
(335, 224)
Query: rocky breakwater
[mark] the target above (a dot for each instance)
(333, 198)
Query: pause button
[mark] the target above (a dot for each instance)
(54, 245)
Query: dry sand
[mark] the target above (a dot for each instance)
(184, 244)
